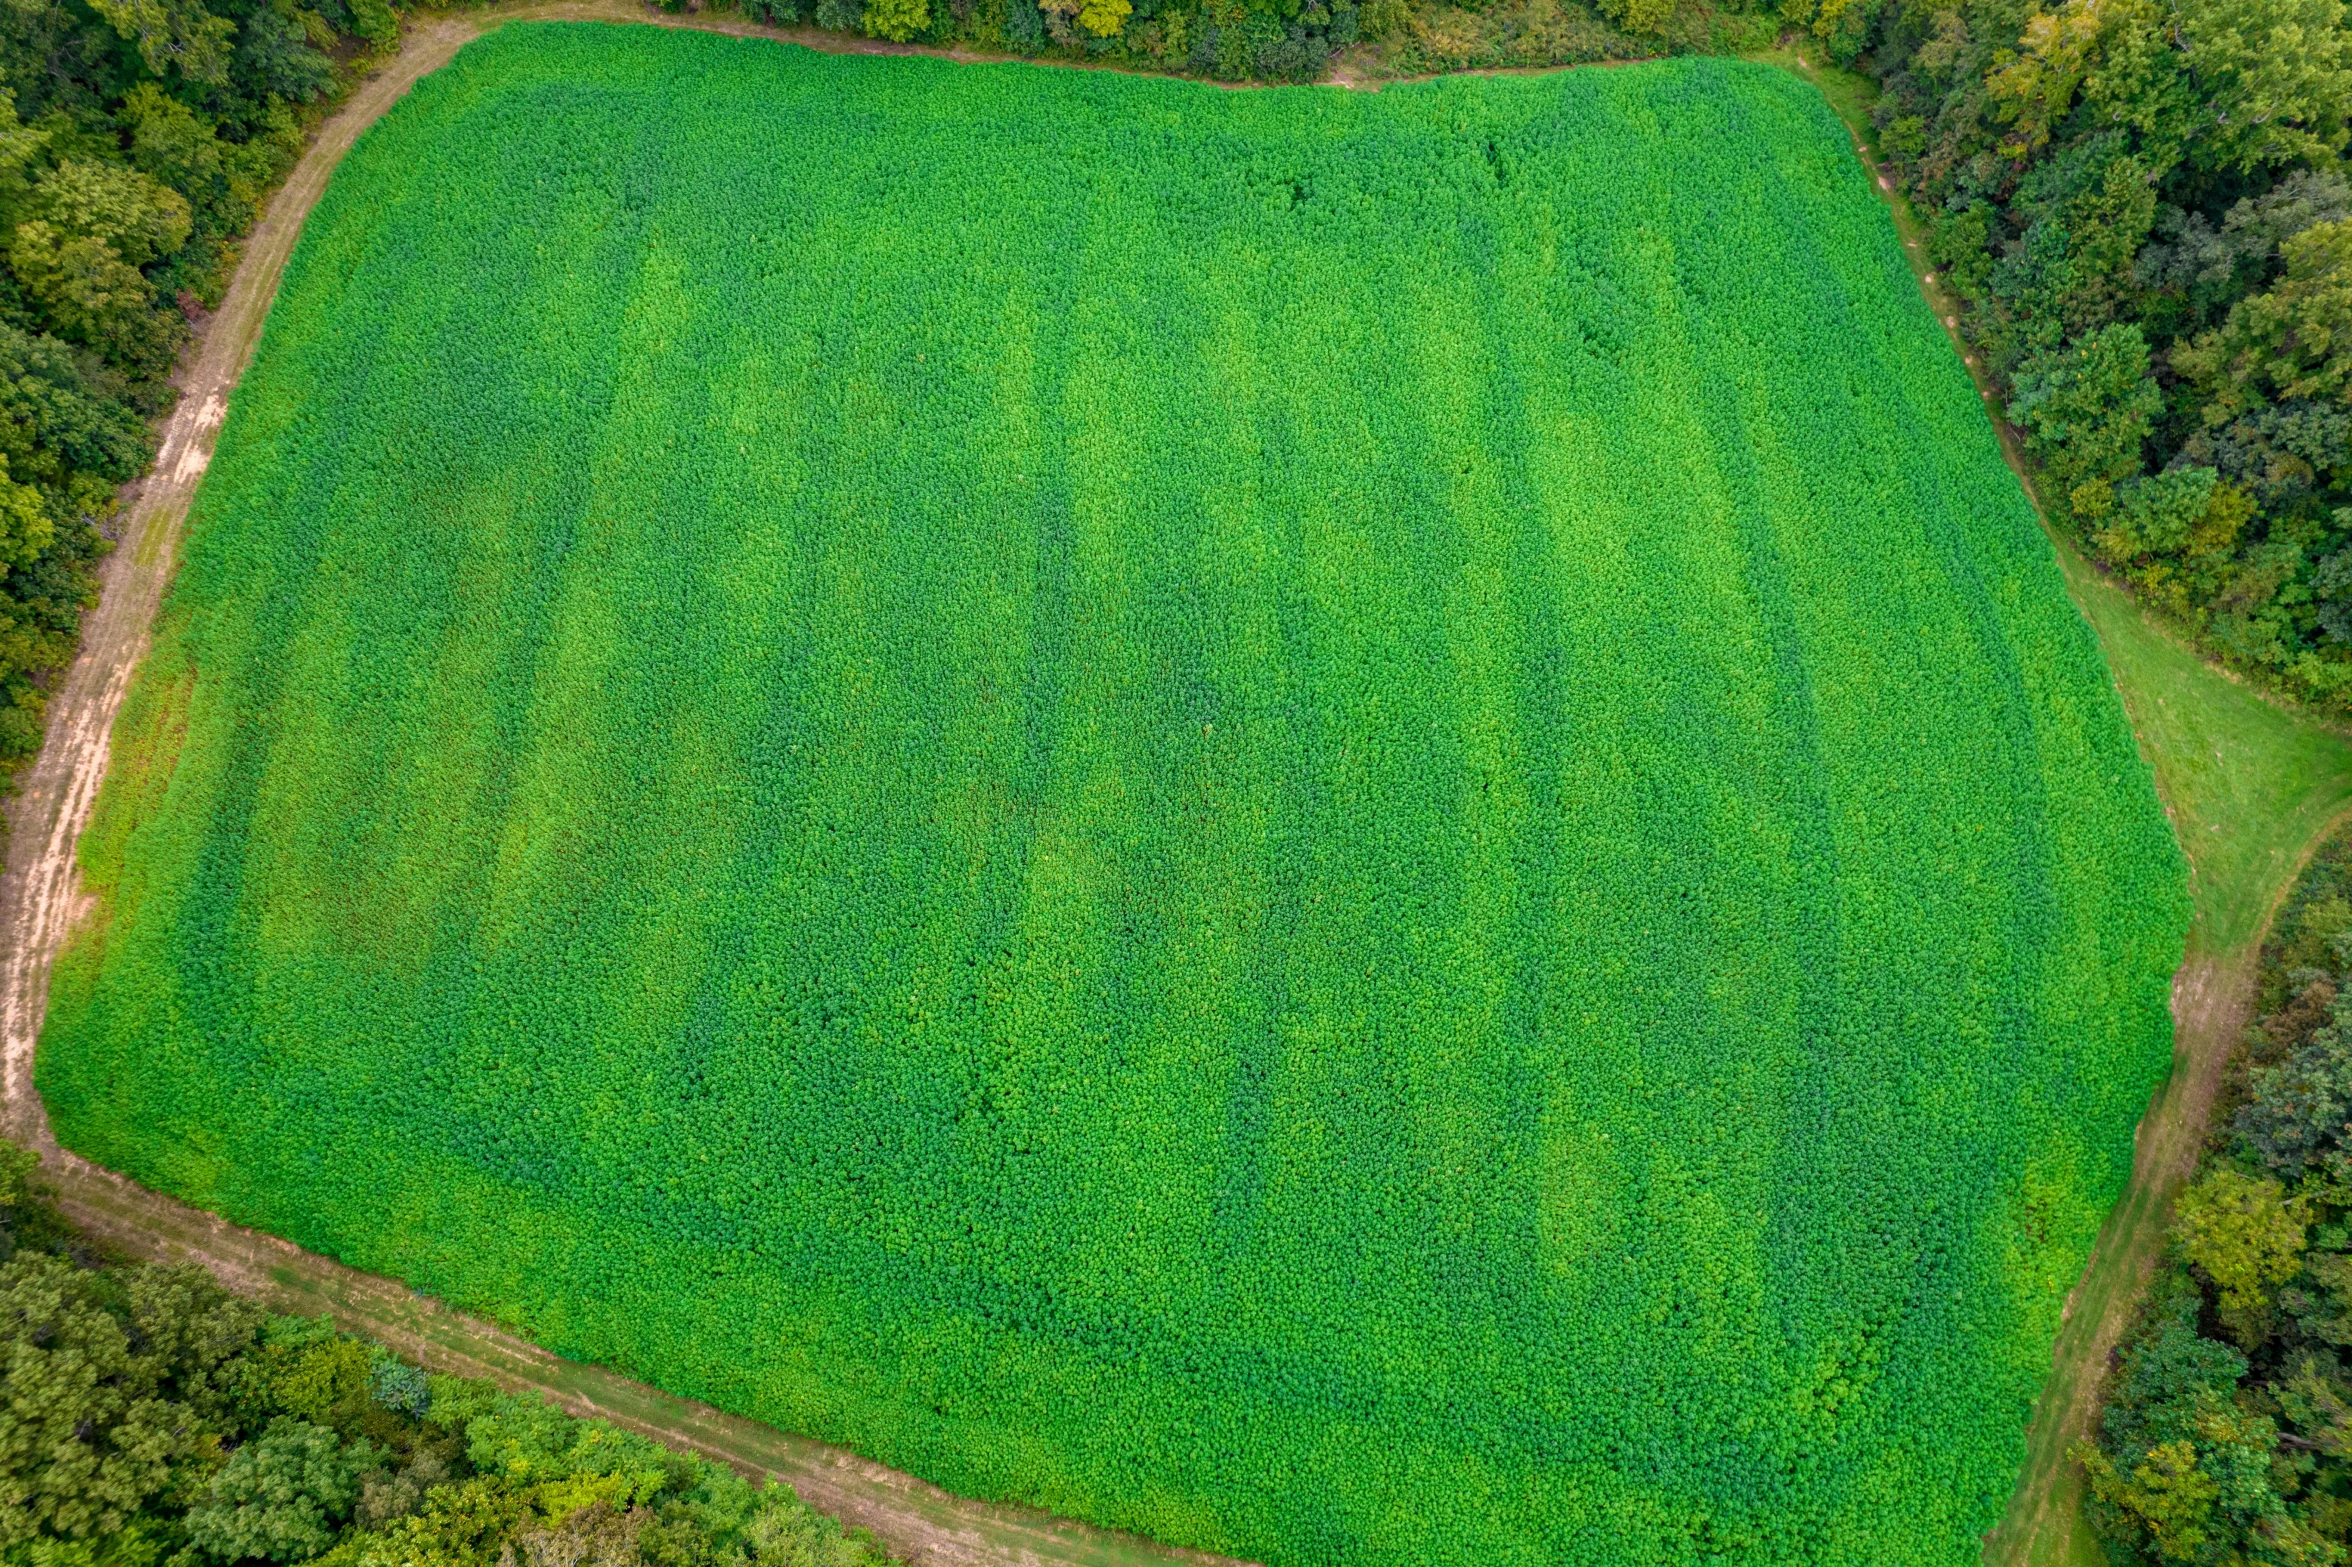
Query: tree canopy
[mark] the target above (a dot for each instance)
(138, 140)
(2145, 211)
(148, 1418)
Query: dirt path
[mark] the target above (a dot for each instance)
(2212, 1002)
(40, 898)
(39, 893)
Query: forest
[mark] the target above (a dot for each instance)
(2145, 211)
(154, 1419)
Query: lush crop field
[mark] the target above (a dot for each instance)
(1353, 827)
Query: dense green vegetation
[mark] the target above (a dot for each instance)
(148, 1418)
(1276, 40)
(137, 141)
(1350, 826)
(2228, 1430)
(2142, 208)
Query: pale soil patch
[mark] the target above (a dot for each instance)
(39, 887)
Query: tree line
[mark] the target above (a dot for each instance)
(1270, 40)
(2227, 1435)
(138, 141)
(149, 1418)
(2144, 208)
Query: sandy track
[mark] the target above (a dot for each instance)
(40, 899)
(39, 891)
(2212, 1003)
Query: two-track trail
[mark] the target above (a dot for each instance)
(40, 899)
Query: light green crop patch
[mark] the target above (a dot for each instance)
(1355, 827)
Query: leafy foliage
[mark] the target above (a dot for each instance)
(101, 1415)
(1206, 826)
(2300, 1107)
(2228, 1431)
(1265, 40)
(2184, 1471)
(148, 1419)
(281, 1496)
(2145, 211)
(136, 138)
(2243, 1233)
(2291, 342)
(2087, 409)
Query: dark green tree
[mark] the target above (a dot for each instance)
(2087, 410)
(113, 1392)
(281, 1497)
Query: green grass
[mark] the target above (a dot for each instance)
(1351, 827)
(2250, 784)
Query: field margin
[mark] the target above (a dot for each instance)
(2213, 992)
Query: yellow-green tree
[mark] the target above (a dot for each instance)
(896, 20)
(2244, 1232)
(2292, 340)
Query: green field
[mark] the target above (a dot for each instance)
(1350, 827)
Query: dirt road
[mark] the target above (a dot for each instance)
(40, 898)
(917, 1521)
(2212, 1001)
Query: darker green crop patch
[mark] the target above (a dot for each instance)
(1352, 827)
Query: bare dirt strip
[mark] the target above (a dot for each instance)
(40, 900)
(39, 893)
(2212, 1002)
